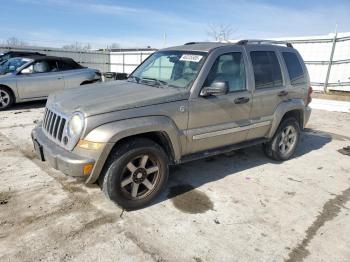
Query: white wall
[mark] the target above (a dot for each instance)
(126, 62)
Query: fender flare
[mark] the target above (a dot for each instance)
(113, 132)
(282, 109)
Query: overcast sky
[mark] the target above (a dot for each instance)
(135, 23)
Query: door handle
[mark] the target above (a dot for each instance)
(59, 78)
(283, 93)
(241, 100)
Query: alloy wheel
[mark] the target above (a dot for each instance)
(140, 177)
(288, 140)
(4, 99)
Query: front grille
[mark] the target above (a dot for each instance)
(54, 124)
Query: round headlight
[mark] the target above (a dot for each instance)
(75, 125)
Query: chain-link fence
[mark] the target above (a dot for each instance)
(95, 59)
(327, 59)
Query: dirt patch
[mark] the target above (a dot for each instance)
(99, 221)
(289, 193)
(295, 180)
(190, 200)
(330, 210)
(4, 198)
(345, 150)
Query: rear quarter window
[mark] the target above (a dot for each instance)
(68, 65)
(295, 70)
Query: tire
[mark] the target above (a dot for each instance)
(6, 98)
(135, 173)
(281, 147)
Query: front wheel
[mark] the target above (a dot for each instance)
(285, 141)
(136, 173)
(6, 98)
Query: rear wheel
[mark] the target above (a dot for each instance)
(6, 98)
(136, 173)
(285, 141)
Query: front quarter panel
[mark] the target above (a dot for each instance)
(10, 82)
(113, 132)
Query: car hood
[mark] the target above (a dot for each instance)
(112, 96)
(4, 76)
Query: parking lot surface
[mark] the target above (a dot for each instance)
(235, 207)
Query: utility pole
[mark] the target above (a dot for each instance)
(164, 40)
(330, 60)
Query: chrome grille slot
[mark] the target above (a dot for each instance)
(60, 129)
(53, 124)
(55, 129)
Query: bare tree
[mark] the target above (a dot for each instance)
(114, 46)
(77, 46)
(13, 41)
(219, 32)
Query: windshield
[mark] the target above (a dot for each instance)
(4, 57)
(12, 65)
(170, 68)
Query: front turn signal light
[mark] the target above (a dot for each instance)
(87, 169)
(90, 145)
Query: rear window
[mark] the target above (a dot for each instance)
(295, 70)
(267, 71)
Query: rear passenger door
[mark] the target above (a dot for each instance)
(270, 88)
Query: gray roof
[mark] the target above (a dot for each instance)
(200, 46)
(208, 46)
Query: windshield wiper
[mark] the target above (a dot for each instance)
(137, 79)
(159, 82)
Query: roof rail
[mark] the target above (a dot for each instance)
(263, 41)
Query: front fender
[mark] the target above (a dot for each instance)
(12, 85)
(282, 109)
(111, 133)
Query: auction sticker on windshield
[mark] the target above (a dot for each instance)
(191, 58)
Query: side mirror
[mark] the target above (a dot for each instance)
(215, 89)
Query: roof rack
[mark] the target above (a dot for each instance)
(262, 41)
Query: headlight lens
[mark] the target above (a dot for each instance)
(75, 125)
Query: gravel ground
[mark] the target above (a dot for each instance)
(235, 207)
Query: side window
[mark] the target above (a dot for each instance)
(228, 68)
(45, 66)
(267, 71)
(295, 70)
(68, 65)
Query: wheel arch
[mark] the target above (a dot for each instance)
(10, 90)
(293, 108)
(86, 82)
(159, 129)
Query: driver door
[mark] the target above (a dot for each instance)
(39, 80)
(220, 120)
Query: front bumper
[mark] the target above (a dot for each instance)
(66, 161)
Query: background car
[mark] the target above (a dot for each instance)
(12, 54)
(35, 77)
